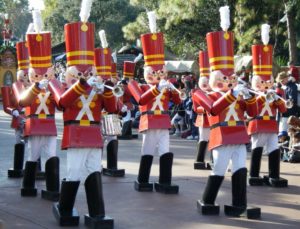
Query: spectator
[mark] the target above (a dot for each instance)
(291, 93)
(293, 71)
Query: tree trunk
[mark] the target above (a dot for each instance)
(291, 33)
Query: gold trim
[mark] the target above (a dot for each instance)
(231, 123)
(23, 61)
(104, 73)
(103, 67)
(147, 57)
(262, 66)
(266, 49)
(219, 58)
(84, 123)
(42, 116)
(40, 58)
(38, 38)
(157, 112)
(203, 69)
(226, 35)
(80, 52)
(221, 66)
(262, 72)
(154, 62)
(47, 65)
(75, 62)
(128, 73)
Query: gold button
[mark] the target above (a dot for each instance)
(84, 27)
(154, 37)
(105, 51)
(37, 101)
(226, 35)
(92, 104)
(266, 49)
(79, 104)
(38, 38)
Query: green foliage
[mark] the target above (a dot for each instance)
(108, 15)
(18, 15)
(281, 61)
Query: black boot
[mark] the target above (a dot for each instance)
(239, 197)
(52, 180)
(207, 205)
(255, 179)
(165, 175)
(142, 183)
(127, 131)
(17, 170)
(201, 150)
(94, 195)
(40, 175)
(28, 186)
(63, 211)
(112, 160)
(274, 170)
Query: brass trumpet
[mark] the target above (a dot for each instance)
(182, 93)
(117, 90)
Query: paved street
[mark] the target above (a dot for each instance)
(134, 210)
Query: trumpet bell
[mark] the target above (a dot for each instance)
(118, 91)
(289, 104)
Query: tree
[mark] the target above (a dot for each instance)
(19, 15)
(108, 15)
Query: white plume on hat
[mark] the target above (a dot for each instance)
(225, 17)
(265, 33)
(114, 56)
(139, 57)
(85, 10)
(37, 20)
(152, 21)
(36, 4)
(30, 28)
(103, 40)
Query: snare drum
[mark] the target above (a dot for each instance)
(111, 125)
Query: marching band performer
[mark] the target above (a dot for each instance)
(82, 105)
(11, 107)
(202, 120)
(227, 106)
(40, 107)
(153, 99)
(264, 128)
(128, 75)
(103, 65)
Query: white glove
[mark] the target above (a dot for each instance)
(43, 84)
(237, 90)
(15, 113)
(245, 93)
(92, 81)
(272, 96)
(124, 108)
(163, 84)
(99, 87)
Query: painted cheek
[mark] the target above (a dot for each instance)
(220, 85)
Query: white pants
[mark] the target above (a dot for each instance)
(283, 125)
(82, 161)
(156, 138)
(109, 138)
(177, 119)
(37, 144)
(222, 156)
(269, 141)
(203, 134)
(127, 117)
(19, 135)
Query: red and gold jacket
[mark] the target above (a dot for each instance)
(265, 121)
(10, 104)
(153, 105)
(126, 98)
(39, 110)
(82, 108)
(227, 115)
(202, 119)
